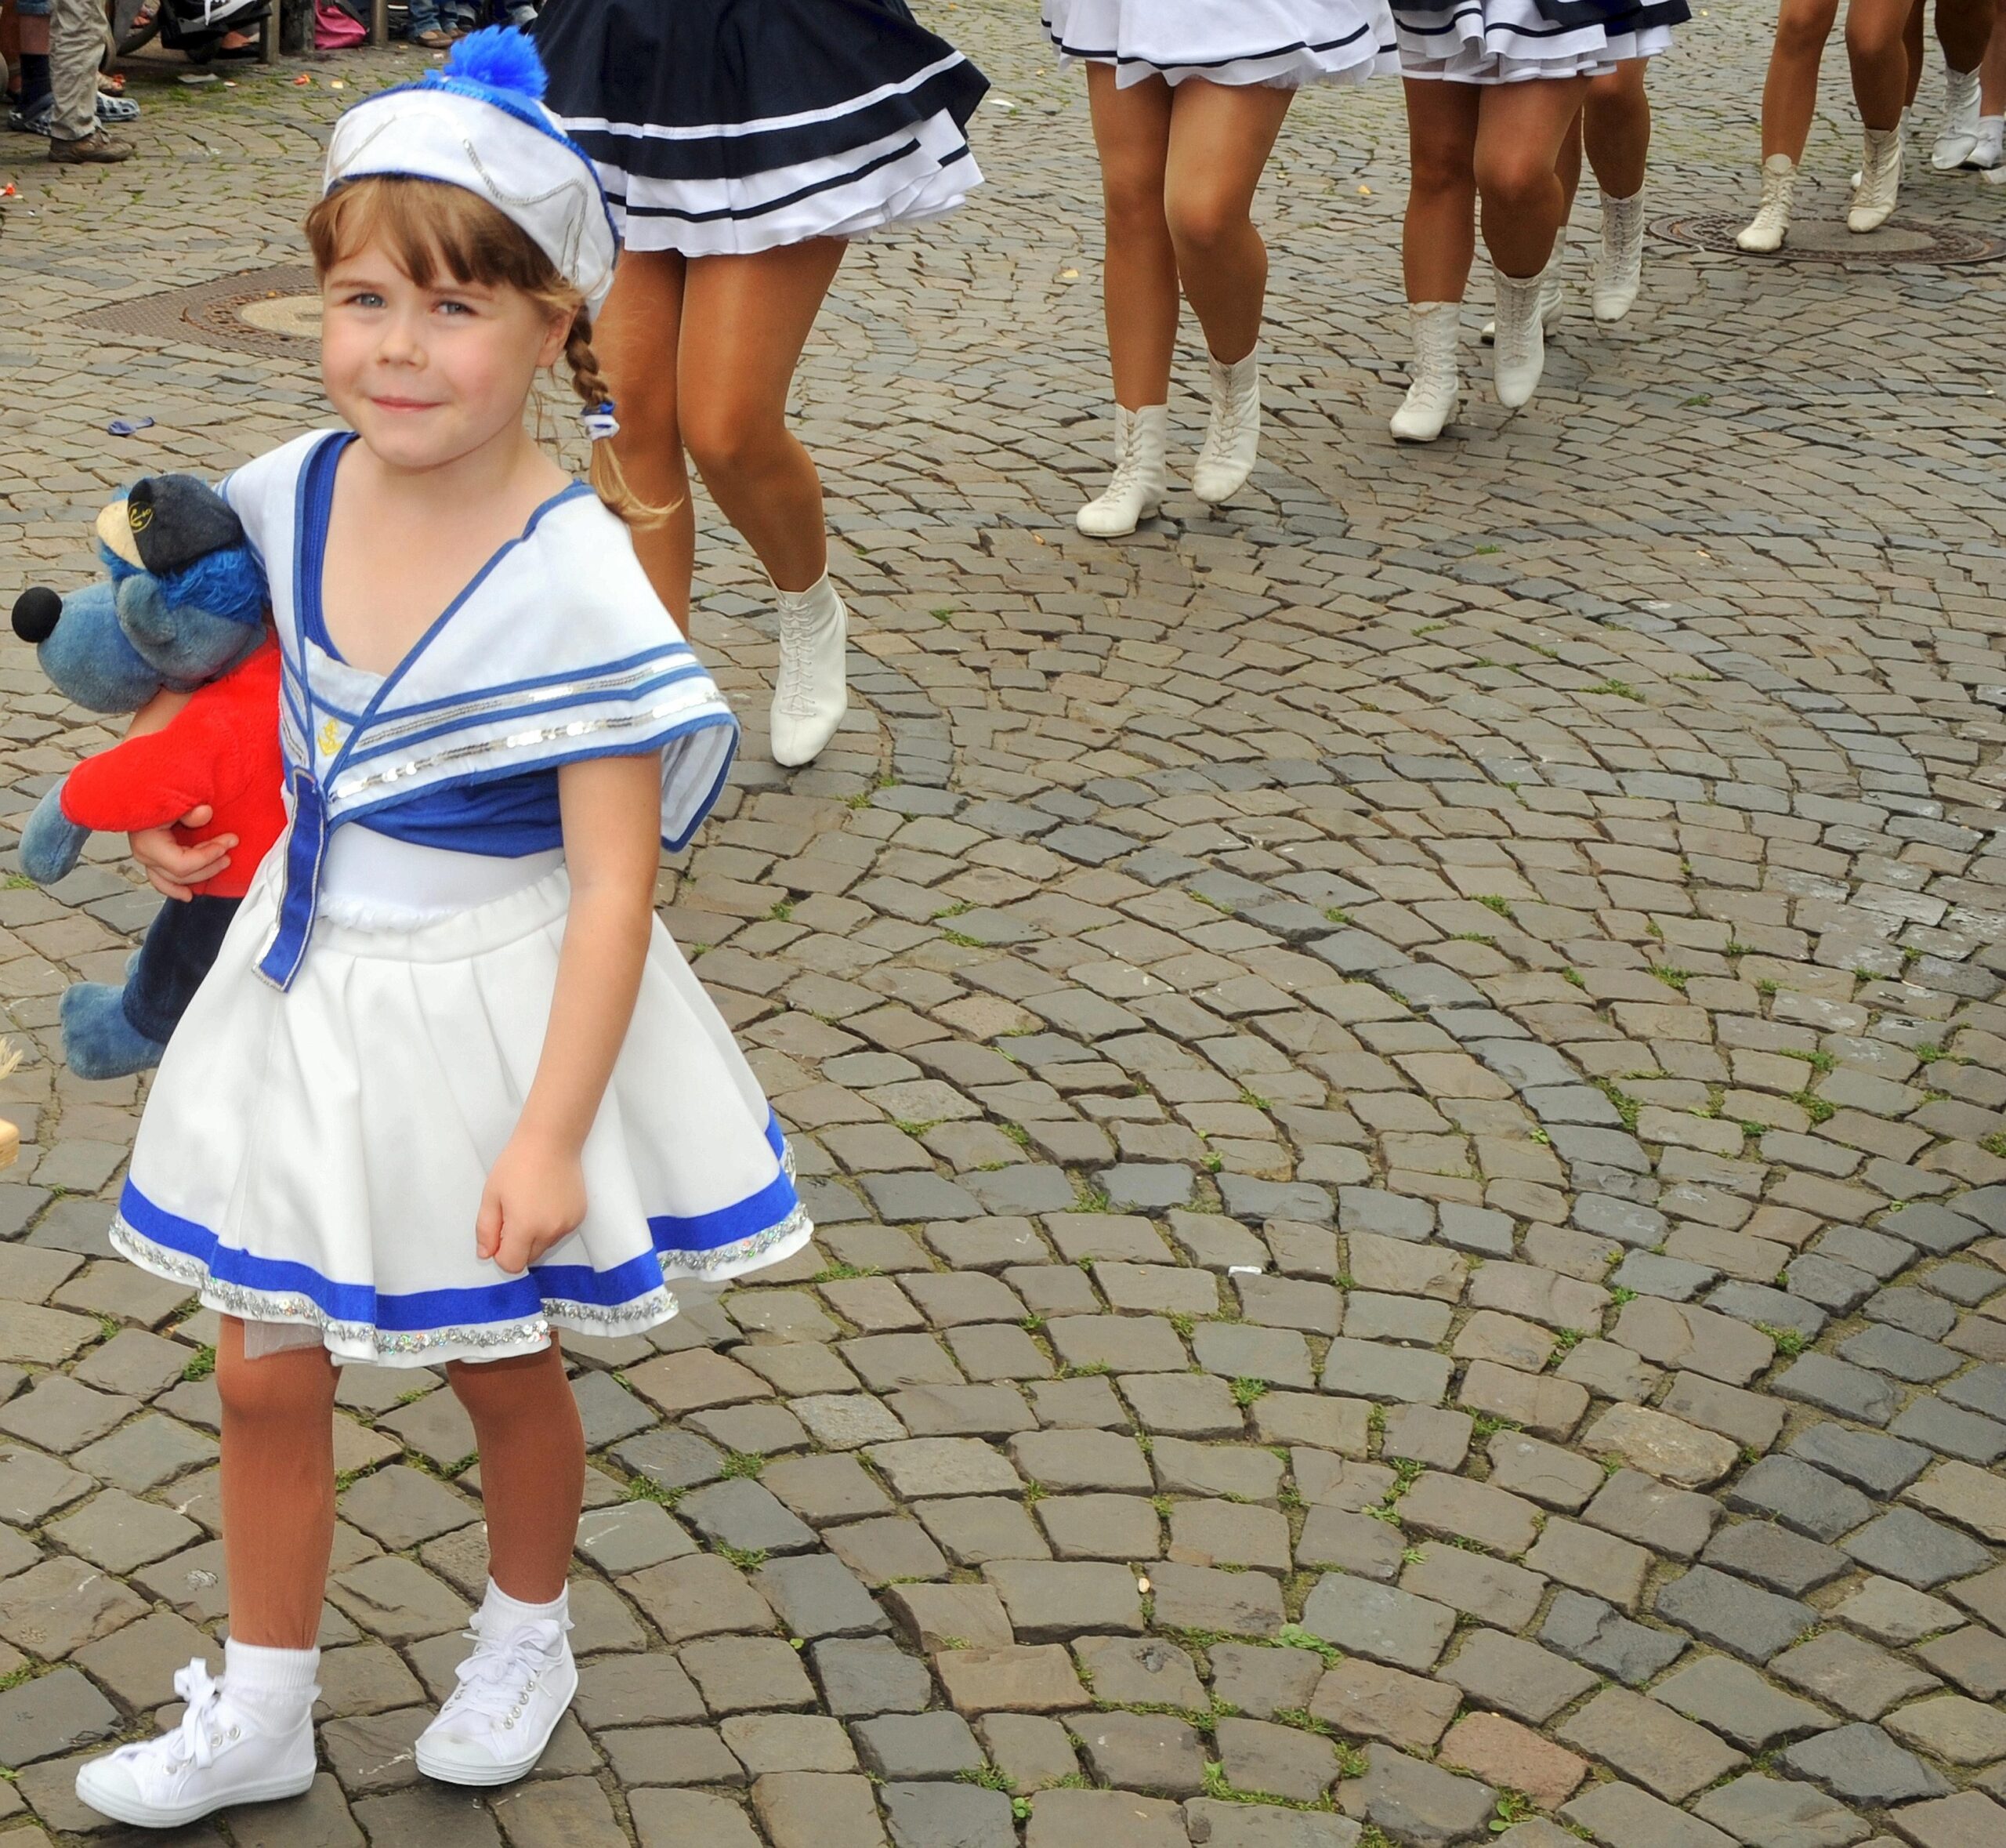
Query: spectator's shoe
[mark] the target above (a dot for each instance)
(99, 150)
(435, 40)
(38, 121)
(116, 108)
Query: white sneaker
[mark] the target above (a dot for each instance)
(1233, 435)
(1432, 397)
(1988, 152)
(1552, 303)
(1620, 258)
(512, 1691)
(1771, 223)
(1141, 474)
(1519, 356)
(1954, 147)
(810, 691)
(224, 1751)
(1879, 181)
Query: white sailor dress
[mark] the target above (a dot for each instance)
(319, 1132)
(1284, 44)
(721, 128)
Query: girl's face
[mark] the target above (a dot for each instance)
(425, 376)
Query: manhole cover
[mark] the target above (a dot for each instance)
(1827, 240)
(275, 311)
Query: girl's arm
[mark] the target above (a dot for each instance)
(536, 1192)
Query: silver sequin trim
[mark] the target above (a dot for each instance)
(729, 1260)
(644, 1312)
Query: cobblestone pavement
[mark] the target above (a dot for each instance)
(1404, 1086)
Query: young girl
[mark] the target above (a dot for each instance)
(1188, 97)
(450, 1085)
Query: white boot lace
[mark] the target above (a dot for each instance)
(793, 687)
(1128, 476)
(1232, 412)
(496, 1681)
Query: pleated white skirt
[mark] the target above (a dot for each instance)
(1487, 42)
(1285, 43)
(317, 1157)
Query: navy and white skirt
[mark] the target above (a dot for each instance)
(1515, 41)
(1283, 43)
(721, 128)
(316, 1156)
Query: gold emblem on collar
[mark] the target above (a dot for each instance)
(330, 739)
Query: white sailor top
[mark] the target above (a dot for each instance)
(558, 650)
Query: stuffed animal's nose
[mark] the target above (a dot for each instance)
(37, 612)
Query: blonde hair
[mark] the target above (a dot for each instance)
(430, 228)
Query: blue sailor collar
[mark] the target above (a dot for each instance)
(558, 650)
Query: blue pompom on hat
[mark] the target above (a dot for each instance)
(480, 123)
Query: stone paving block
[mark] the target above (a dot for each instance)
(1668, 1519)
(54, 1713)
(1416, 1802)
(1378, 1621)
(816, 1595)
(1952, 1728)
(869, 1674)
(1514, 1676)
(1502, 1751)
(1973, 1656)
(1109, 1818)
(1276, 1761)
(1493, 1591)
(1973, 1498)
(1760, 1810)
(1034, 1753)
(1029, 1678)
(1365, 1700)
(1081, 1460)
(1543, 1473)
(1918, 1551)
(665, 1818)
(701, 1595)
(1588, 1631)
(1772, 1556)
(1647, 1741)
(1100, 1527)
(951, 1616)
(1860, 1763)
(1893, 1614)
(947, 1816)
(922, 1466)
(1053, 1601)
(747, 1674)
(765, 1742)
(1625, 1817)
(1215, 1824)
(137, 1663)
(1155, 1753)
(1967, 1820)
(1738, 1704)
(812, 1810)
(640, 1691)
(1205, 1598)
(56, 1607)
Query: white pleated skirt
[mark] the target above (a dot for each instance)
(317, 1157)
(1287, 44)
(1489, 42)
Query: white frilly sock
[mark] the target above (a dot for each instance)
(280, 1683)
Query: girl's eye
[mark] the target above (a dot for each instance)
(450, 307)
(364, 297)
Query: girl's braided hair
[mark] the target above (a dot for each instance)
(432, 229)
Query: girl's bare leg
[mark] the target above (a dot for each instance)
(1139, 280)
(532, 1468)
(1879, 58)
(1521, 128)
(1616, 124)
(278, 1488)
(1220, 136)
(636, 339)
(1789, 92)
(1439, 241)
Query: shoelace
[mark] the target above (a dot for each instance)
(797, 663)
(1517, 346)
(1128, 472)
(496, 1680)
(1230, 417)
(194, 1741)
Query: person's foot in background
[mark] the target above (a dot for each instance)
(94, 150)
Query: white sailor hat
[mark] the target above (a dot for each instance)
(480, 123)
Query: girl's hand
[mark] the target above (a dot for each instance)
(174, 870)
(535, 1197)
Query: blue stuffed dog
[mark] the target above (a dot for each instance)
(181, 609)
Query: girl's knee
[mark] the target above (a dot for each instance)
(1510, 179)
(297, 1384)
(487, 1387)
(1804, 25)
(1133, 203)
(1203, 220)
(727, 435)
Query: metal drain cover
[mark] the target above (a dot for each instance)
(275, 311)
(1827, 240)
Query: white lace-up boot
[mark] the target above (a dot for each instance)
(1233, 435)
(1766, 230)
(238, 1742)
(810, 693)
(1907, 126)
(1520, 355)
(1620, 261)
(1552, 302)
(513, 1690)
(1141, 475)
(1879, 181)
(1960, 135)
(1437, 387)
(1989, 145)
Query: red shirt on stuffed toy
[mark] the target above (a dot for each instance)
(221, 749)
